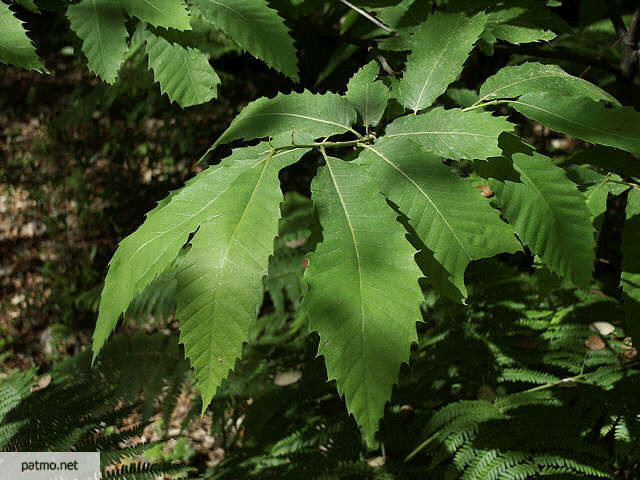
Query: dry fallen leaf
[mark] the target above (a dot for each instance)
(43, 382)
(284, 379)
(486, 192)
(603, 328)
(594, 342)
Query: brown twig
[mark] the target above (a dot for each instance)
(368, 16)
(629, 56)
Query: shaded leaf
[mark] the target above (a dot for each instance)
(15, 47)
(184, 73)
(255, 27)
(100, 24)
(451, 218)
(368, 95)
(220, 282)
(154, 246)
(314, 114)
(453, 133)
(363, 297)
(441, 47)
(630, 280)
(159, 13)
(585, 119)
(550, 215)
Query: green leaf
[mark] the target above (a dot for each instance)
(255, 27)
(514, 21)
(405, 13)
(630, 279)
(315, 114)
(160, 13)
(153, 247)
(453, 133)
(442, 45)
(29, 5)
(585, 119)
(15, 47)
(184, 73)
(596, 198)
(295, 239)
(532, 77)
(220, 286)
(100, 24)
(550, 215)
(450, 216)
(608, 159)
(518, 34)
(363, 297)
(367, 95)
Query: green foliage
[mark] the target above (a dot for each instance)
(414, 171)
(226, 219)
(181, 60)
(565, 423)
(99, 23)
(363, 273)
(298, 233)
(90, 410)
(306, 114)
(453, 133)
(159, 13)
(183, 73)
(429, 71)
(449, 216)
(545, 208)
(630, 280)
(521, 21)
(15, 46)
(255, 27)
(616, 126)
(532, 77)
(367, 94)
(230, 251)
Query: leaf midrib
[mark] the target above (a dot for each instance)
(426, 195)
(426, 82)
(434, 132)
(355, 246)
(175, 228)
(357, 252)
(589, 127)
(563, 75)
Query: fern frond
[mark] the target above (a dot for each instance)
(527, 376)
(144, 471)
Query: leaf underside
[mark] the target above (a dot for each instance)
(449, 216)
(255, 27)
(159, 13)
(313, 114)
(100, 24)
(441, 47)
(550, 215)
(220, 284)
(184, 73)
(453, 133)
(15, 47)
(363, 297)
